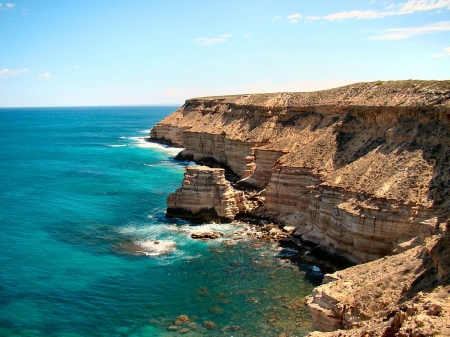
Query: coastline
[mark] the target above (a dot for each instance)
(259, 228)
(281, 145)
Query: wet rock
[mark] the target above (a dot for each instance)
(184, 331)
(206, 235)
(229, 243)
(172, 328)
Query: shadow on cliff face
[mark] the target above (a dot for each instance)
(210, 162)
(435, 269)
(405, 136)
(312, 259)
(437, 154)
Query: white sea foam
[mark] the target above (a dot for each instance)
(172, 242)
(117, 145)
(143, 143)
(211, 227)
(157, 247)
(145, 131)
(145, 232)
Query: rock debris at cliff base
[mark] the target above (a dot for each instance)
(362, 170)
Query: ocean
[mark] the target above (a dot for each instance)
(86, 249)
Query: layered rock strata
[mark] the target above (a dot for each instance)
(205, 195)
(362, 170)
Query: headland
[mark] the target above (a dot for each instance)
(362, 171)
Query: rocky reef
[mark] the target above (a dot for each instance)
(362, 170)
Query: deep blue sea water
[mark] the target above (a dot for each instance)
(82, 202)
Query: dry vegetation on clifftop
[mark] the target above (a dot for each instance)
(362, 170)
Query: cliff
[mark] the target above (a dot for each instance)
(362, 170)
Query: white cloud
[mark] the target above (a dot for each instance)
(406, 33)
(44, 76)
(6, 6)
(8, 73)
(277, 17)
(294, 17)
(409, 7)
(204, 41)
(369, 14)
(412, 6)
(444, 54)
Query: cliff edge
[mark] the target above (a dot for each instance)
(362, 170)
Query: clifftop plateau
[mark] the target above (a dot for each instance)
(361, 170)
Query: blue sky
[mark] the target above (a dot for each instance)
(111, 52)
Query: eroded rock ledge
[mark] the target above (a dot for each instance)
(362, 170)
(205, 195)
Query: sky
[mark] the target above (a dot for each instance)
(138, 52)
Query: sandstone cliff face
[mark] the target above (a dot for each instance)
(205, 195)
(363, 170)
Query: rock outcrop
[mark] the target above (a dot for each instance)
(205, 195)
(206, 235)
(362, 170)
(400, 295)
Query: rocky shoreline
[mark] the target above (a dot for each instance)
(361, 172)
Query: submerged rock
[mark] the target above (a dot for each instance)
(182, 320)
(210, 325)
(146, 247)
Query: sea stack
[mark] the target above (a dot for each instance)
(205, 196)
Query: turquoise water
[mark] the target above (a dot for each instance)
(82, 202)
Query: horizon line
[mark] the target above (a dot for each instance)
(90, 106)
